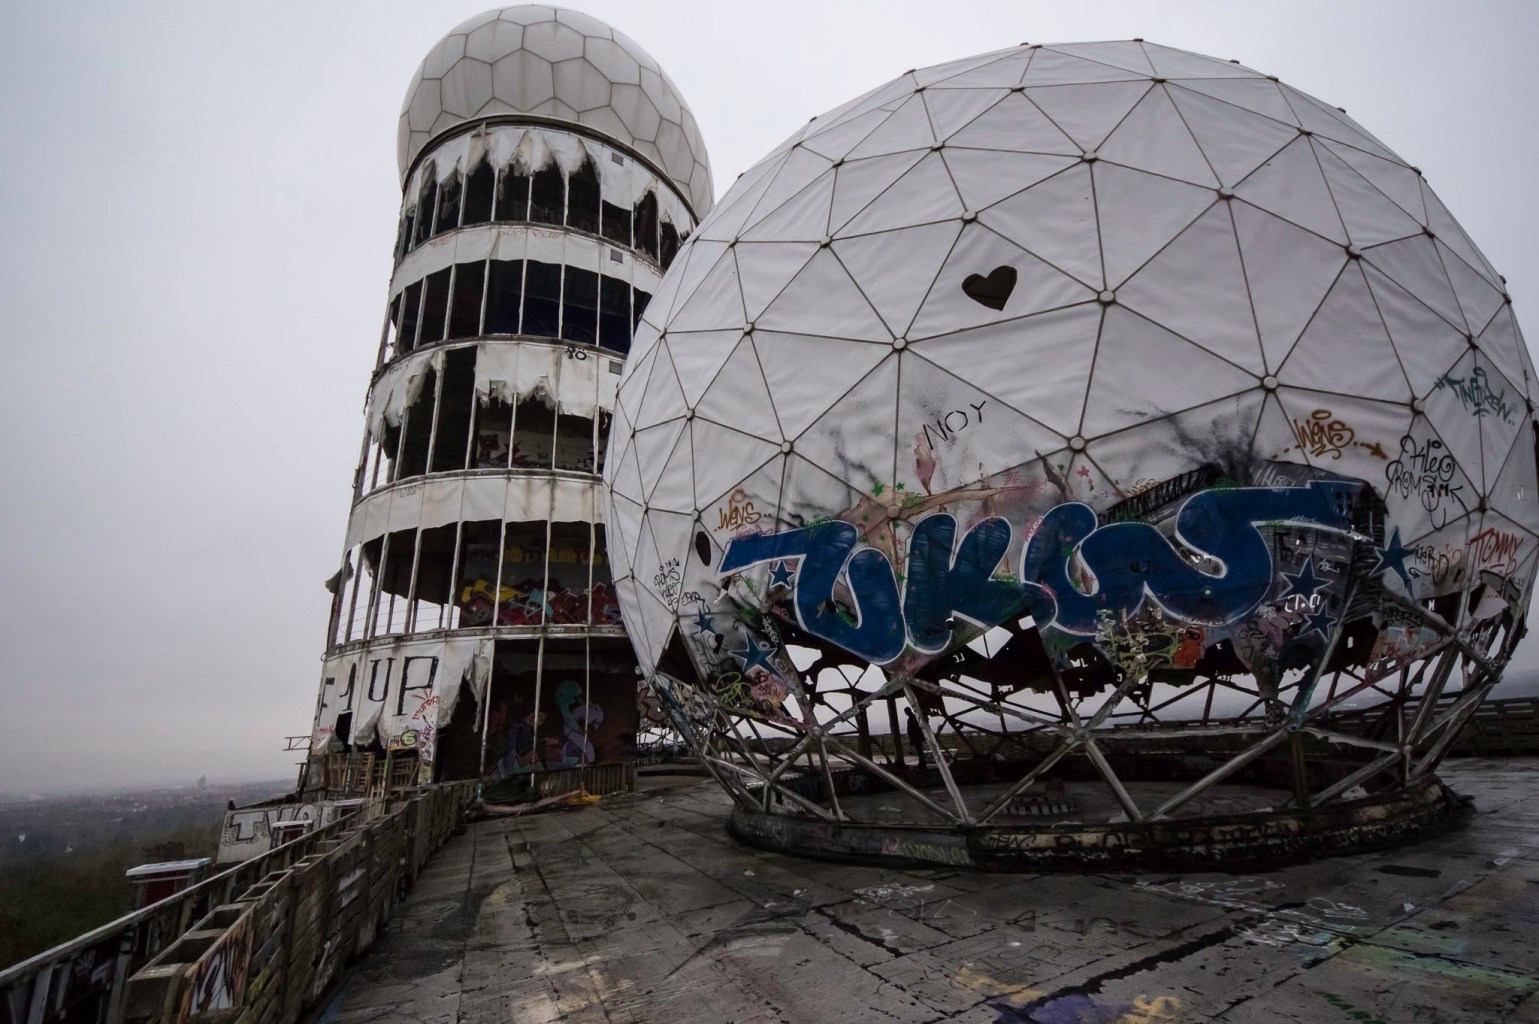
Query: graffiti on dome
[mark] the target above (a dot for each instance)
(1189, 576)
(1477, 396)
(1131, 563)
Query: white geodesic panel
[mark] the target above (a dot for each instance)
(538, 59)
(1080, 283)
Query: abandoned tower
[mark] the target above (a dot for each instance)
(549, 172)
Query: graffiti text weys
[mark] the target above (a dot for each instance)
(1127, 564)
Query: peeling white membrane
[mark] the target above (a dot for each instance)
(400, 693)
(528, 150)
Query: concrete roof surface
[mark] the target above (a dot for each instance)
(642, 908)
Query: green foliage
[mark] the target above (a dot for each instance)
(62, 859)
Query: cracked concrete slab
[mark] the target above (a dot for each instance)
(642, 908)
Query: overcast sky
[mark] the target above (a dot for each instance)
(197, 204)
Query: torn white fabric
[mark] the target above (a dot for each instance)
(497, 371)
(398, 387)
(400, 693)
(563, 378)
(441, 501)
(530, 149)
(523, 241)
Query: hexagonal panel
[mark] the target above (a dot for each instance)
(494, 40)
(466, 87)
(581, 85)
(553, 40)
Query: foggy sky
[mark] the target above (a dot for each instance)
(197, 206)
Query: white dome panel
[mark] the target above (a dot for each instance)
(561, 64)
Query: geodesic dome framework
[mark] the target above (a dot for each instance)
(1142, 423)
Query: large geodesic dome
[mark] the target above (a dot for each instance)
(1142, 424)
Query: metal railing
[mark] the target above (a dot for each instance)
(86, 980)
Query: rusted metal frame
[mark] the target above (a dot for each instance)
(1245, 715)
(1455, 721)
(1434, 622)
(734, 743)
(1348, 739)
(976, 691)
(730, 782)
(828, 780)
(446, 617)
(411, 584)
(1447, 659)
(937, 754)
(1033, 718)
(1346, 695)
(1153, 712)
(1047, 762)
(1129, 807)
(1218, 774)
(352, 603)
(796, 798)
(788, 759)
(370, 630)
(1161, 732)
(1230, 684)
(809, 733)
(1299, 772)
(1366, 772)
(1086, 731)
(891, 779)
(963, 735)
(1306, 689)
(719, 736)
(767, 790)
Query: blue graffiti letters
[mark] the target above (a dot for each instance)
(938, 584)
(1133, 561)
(824, 551)
(1124, 563)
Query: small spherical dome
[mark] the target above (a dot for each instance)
(561, 64)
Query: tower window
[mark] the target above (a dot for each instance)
(582, 199)
(646, 225)
(616, 223)
(448, 216)
(547, 196)
(479, 188)
(614, 314)
(465, 308)
(512, 195)
(579, 306)
(435, 307)
(426, 203)
(542, 299)
(503, 294)
(411, 298)
(669, 247)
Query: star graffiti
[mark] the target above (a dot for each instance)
(1318, 622)
(754, 654)
(703, 623)
(1391, 557)
(1304, 583)
(781, 576)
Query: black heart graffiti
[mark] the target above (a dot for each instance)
(992, 291)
